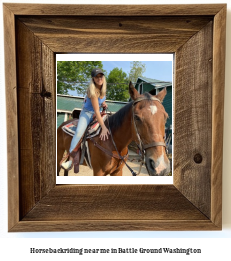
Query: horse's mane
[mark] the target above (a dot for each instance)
(116, 120)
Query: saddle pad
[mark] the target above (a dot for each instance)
(93, 130)
(70, 127)
(95, 125)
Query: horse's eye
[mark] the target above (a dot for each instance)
(137, 118)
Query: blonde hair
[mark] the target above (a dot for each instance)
(92, 92)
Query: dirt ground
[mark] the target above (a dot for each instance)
(133, 162)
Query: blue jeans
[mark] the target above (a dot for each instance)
(85, 118)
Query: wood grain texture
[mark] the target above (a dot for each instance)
(117, 34)
(113, 202)
(12, 117)
(108, 207)
(115, 10)
(194, 201)
(114, 225)
(193, 127)
(36, 105)
(218, 114)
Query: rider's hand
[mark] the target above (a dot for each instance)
(104, 133)
(104, 105)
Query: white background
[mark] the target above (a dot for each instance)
(213, 244)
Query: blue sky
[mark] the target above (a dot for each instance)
(159, 70)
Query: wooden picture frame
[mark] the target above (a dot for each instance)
(34, 33)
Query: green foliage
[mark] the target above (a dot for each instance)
(74, 75)
(117, 87)
(137, 70)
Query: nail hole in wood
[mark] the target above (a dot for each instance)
(198, 158)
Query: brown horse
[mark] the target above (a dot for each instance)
(142, 120)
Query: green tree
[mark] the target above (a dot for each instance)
(137, 70)
(117, 87)
(74, 75)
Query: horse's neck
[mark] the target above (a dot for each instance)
(124, 134)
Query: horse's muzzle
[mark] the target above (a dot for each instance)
(159, 167)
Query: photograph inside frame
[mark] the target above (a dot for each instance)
(114, 119)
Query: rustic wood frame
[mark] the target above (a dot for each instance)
(33, 34)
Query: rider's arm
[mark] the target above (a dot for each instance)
(95, 104)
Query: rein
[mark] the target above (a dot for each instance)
(105, 150)
(122, 158)
(108, 152)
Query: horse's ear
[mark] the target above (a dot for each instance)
(161, 94)
(133, 92)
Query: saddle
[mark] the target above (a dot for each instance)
(81, 151)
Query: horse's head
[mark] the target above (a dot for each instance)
(149, 118)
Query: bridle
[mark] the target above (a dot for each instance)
(142, 147)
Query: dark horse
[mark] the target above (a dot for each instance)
(142, 120)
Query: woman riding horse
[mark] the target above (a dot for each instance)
(142, 120)
(95, 99)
